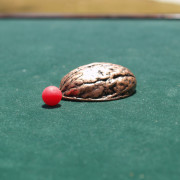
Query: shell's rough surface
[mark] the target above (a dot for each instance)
(98, 82)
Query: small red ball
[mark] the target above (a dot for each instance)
(51, 95)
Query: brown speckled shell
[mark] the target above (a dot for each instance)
(98, 81)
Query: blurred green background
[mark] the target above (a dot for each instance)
(90, 6)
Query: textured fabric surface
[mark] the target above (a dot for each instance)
(133, 138)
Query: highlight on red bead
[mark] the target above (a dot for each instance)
(51, 95)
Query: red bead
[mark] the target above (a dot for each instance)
(51, 95)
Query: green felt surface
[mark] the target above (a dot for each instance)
(134, 138)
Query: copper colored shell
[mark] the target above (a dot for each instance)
(98, 81)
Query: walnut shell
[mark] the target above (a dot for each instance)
(98, 81)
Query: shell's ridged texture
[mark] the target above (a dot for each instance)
(98, 82)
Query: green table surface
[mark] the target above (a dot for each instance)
(133, 138)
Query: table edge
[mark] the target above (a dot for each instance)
(87, 16)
